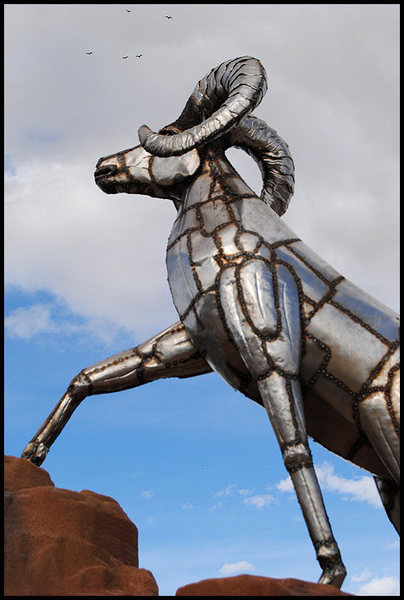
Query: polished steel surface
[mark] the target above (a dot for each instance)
(256, 305)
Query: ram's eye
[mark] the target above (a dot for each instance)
(179, 178)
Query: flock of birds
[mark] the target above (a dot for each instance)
(137, 55)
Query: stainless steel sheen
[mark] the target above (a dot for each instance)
(256, 305)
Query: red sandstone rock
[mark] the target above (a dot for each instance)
(64, 543)
(253, 585)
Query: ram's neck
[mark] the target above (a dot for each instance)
(216, 179)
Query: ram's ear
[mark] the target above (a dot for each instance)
(174, 169)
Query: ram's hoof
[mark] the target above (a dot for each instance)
(35, 452)
(334, 575)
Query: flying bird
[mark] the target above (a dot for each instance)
(139, 55)
(89, 52)
(167, 17)
(128, 10)
(124, 57)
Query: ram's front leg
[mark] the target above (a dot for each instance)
(169, 354)
(281, 396)
(263, 315)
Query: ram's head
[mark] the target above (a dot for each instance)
(136, 171)
(218, 110)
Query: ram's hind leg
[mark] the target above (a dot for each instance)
(379, 413)
(390, 495)
(169, 354)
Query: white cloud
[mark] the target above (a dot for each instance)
(227, 491)
(103, 255)
(259, 500)
(147, 494)
(380, 586)
(224, 495)
(362, 489)
(285, 485)
(187, 506)
(216, 506)
(239, 567)
(27, 322)
(363, 576)
(392, 545)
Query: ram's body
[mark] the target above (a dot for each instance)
(255, 303)
(229, 255)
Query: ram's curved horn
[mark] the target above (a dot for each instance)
(273, 156)
(219, 101)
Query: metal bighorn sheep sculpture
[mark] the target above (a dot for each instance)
(255, 303)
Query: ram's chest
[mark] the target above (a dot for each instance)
(203, 238)
(222, 224)
(207, 242)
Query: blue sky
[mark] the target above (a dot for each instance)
(192, 462)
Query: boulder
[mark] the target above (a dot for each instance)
(63, 543)
(254, 585)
